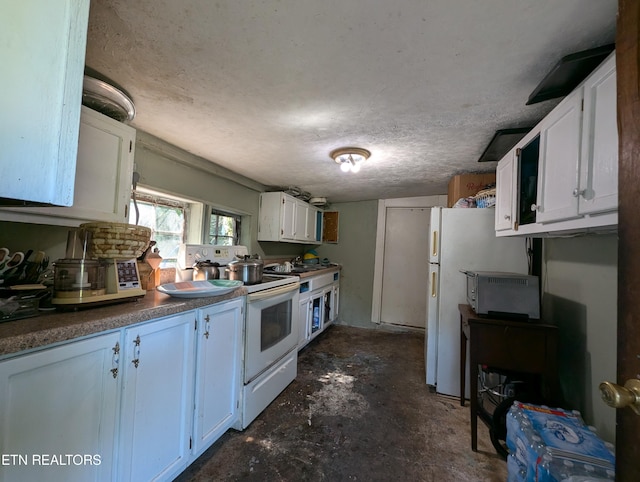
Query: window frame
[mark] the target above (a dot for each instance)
(237, 228)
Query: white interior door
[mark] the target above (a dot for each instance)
(406, 267)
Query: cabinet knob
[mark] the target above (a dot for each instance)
(535, 207)
(507, 217)
(578, 192)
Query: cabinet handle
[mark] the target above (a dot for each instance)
(115, 360)
(578, 192)
(536, 207)
(136, 352)
(507, 217)
(206, 328)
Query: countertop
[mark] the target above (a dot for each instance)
(58, 326)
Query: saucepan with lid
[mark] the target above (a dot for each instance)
(247, 269)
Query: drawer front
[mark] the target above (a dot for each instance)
(519, 349)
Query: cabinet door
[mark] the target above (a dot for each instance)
(327, 308)
(102, 180)
(505, 185)
(302, 212)
(598, 191)
(157, 404)
(218, 372)
(304, 322)
(60, 402)
(316, 314)
(559, 160)
(310, 231)
(42, 45)
(335, 309)
(288, 228)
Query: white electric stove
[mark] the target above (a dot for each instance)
(270, 328)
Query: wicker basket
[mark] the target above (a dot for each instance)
(486, 198)
(117, 240)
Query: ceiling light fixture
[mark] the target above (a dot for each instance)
(350, 158)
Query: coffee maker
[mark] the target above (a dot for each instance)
(81, 279)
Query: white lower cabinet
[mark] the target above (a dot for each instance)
(58, 412)
(136, 404)
(218, 372)
(319, 302)
(303, 319)
(157, 398)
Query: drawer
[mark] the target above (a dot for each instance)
(523, 349)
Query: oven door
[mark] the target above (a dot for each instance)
(271, 329)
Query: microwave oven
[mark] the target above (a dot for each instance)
(501, 294)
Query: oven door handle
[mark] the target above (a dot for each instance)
(261, 295)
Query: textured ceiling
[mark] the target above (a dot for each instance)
(267, 88)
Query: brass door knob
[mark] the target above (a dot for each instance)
(617, 396)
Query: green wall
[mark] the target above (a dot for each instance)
(580, 297)
(355, 251)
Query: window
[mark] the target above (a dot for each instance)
(167, 220)
(224, 228)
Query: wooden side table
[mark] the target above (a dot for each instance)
(513, 345)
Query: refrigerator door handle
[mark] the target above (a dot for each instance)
(434, 292)
(434, 246)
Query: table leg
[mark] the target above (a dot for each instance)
(463, 363)
(473, 374)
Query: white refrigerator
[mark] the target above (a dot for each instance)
(460, 239)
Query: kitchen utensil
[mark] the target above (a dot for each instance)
(247, 269)
(13, 261)
(4, 256)
(206, 270)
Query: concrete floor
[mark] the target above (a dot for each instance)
(359, 409)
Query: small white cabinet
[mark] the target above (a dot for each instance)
(157, 398)
(61, 402)
(42, 46)
(505, 215)
(319, 304)
(598, 187)
(287, 219)
(102, 180)
(303, 319)
(559, 160)
(218, 372)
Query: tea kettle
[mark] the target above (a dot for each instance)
(206, 270)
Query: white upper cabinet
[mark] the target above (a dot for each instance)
(575, 168)
(42, 46)
(287, 219)
(505, 182)
(559, 160)
(103, 176)
(598, 188)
